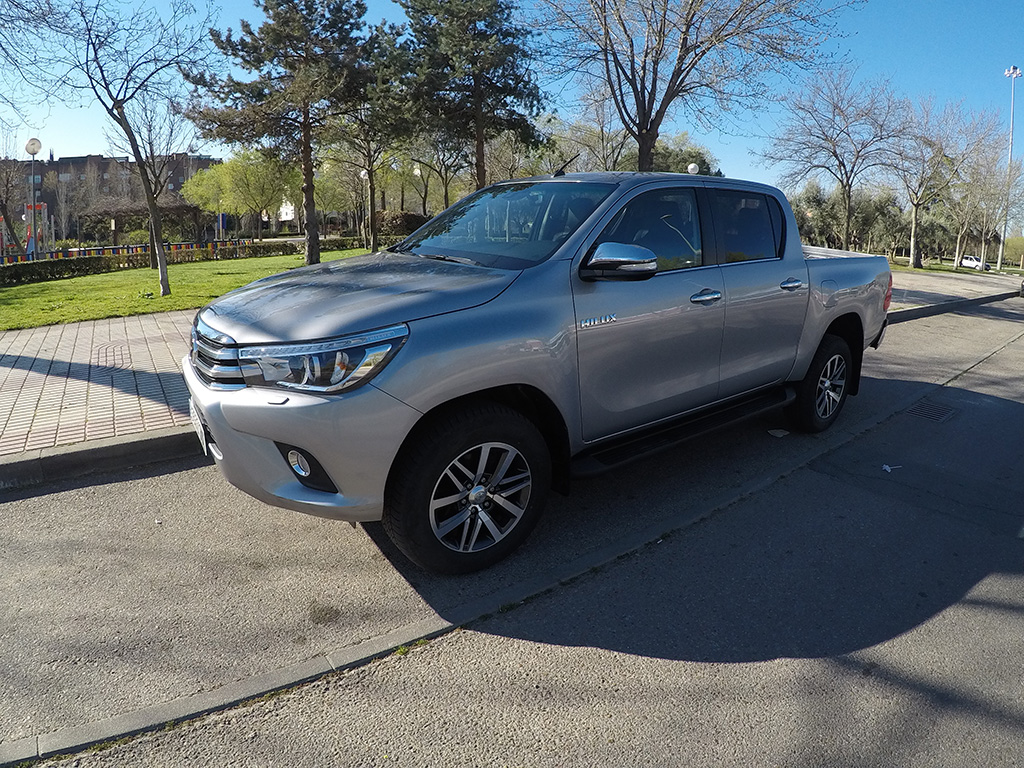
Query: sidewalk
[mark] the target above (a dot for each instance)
(103, 394)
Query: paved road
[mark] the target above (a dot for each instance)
(825, 612)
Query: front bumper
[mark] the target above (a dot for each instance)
(355, 438)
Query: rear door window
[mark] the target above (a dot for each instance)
(749, 228)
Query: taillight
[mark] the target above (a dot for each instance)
(888, 294)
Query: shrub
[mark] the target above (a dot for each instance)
(54, 269)
(392, 223)
(136, 237)
(76, 266)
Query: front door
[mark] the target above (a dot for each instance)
(649, 349)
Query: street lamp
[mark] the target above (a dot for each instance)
(32, 146)
(1013, 73)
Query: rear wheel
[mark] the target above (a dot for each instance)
(468, 489)
(821, 394)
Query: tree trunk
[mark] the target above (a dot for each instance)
(479, 137)
(847, 216)
(371, 223)
(156, 226)
(153, 261)
(308, 202)
(645, 150)
(915, 256)
(12, 238)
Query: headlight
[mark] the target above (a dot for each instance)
(322, 366)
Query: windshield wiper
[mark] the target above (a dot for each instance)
(444, 257)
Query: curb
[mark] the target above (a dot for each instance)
(23, 470)
(930, 310)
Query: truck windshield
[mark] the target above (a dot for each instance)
(509, 226)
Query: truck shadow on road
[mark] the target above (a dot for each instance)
(837, 556)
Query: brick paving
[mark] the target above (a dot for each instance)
(65, 384)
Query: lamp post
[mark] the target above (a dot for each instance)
(1013, 73)
(32, 146)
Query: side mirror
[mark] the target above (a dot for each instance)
(619, 261)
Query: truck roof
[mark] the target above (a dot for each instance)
(627, 179)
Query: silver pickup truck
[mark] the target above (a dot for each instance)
(537, 330)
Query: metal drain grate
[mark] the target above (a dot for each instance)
(113, 355)
(932, 411)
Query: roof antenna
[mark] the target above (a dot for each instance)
(561, 171)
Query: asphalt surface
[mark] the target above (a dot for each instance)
(136, 598)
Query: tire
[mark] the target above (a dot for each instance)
(468, 489)
(821, 394)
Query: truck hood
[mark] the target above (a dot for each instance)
(351, 296)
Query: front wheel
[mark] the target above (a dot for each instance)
(468, 489)
(821, 394)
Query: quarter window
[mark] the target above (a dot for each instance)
(666, 222)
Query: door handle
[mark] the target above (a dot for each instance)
(791, 284)
(706, 297)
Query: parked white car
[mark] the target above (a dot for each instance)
(973, 262)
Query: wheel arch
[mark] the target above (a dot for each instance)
(850, 329)
(527, 400)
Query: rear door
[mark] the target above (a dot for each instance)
(650, 349)
(766, 290)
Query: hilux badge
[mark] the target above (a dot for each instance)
(592, 321)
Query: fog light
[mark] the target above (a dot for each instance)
(306, 468)
(298, 464)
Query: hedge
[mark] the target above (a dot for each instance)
(41, 270)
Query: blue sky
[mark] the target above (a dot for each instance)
(951, 50)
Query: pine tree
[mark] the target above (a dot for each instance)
(472, 71)
(307, 59)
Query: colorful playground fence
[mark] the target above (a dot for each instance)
(177, 252)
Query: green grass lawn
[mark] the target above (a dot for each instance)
(934, 265)
(136, 291)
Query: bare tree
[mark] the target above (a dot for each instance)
(12, 188)
(60, 184)
(22, 59)
(510, 157)
(162, 132)
(839, 129)
(123, 56)
(363, 148)
(704, 56)
(604, 143)
(932, 152)
(444, 155)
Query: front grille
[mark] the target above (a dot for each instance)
(215, 358)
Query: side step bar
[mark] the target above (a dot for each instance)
(637, 446)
